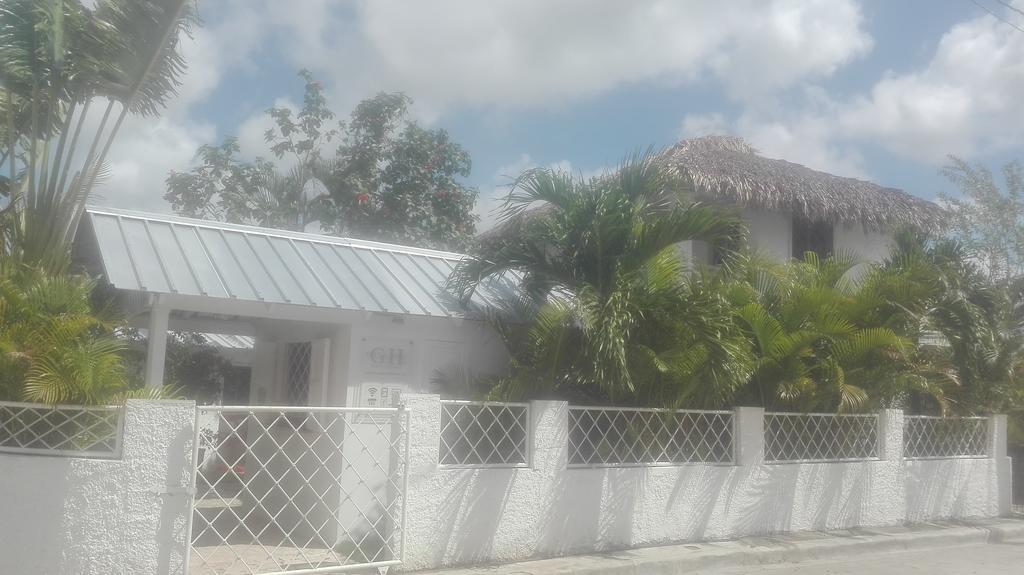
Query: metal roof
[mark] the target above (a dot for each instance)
(166, 254)
(227, 341)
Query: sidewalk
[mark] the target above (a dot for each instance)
(751, 551)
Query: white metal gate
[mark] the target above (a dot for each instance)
(297, 489)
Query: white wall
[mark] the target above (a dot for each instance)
(462, 516)
(868, 246)
(771, 233)
(62, 515)
(456, 346)
(86, 516)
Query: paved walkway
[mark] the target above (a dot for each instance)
(1002, 558)
(982, 548)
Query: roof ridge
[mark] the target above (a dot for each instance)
(273, 232)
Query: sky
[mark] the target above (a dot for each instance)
(879, 90)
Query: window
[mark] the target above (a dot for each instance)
(299, 356)
(811, 236)
(708, 253)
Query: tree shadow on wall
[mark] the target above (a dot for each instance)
(698, 493)
(174, 505)
(787, 497)
(939, 489)
(472, 513)
(590, 510)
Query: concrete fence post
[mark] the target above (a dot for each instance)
(1004, 471)
(420, 500)
(549, 436)
(890, 434)
(749, 435)
(996, 436)
(424, 432)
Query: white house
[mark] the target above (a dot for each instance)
(791, 209)
(345, 322)
(333, 321)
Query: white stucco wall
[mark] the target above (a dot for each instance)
(463, 516)
(77, 516)
(771, 233)
(63, 515)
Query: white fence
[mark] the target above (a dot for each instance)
(297, 489)
(819, 437)
(312, 490)
(604, 436)
(926, 437)
(611, 478)
(68, 430)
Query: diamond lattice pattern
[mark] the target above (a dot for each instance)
(925, 437)
(299, 361)
(648, 437)
(484, 433)
(73, 430)
(281, 491)
(819, 437)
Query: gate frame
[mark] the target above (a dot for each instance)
(401, 416)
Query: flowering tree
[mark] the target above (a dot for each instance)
(388, 178)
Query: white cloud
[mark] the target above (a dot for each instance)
(806, 136)
(697, 125)
(500, 54)
(966, 101)
(144, 152)
(538, 53)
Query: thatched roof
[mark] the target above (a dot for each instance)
(725, 169)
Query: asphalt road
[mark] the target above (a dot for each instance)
(991, 559)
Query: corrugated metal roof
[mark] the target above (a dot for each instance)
(165, 254)
(228, 341)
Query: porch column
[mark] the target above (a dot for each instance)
(156, 343)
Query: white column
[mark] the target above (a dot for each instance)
(749, 435)
(156, 347)
(1004, 471)
(549, 428)
(890, 434)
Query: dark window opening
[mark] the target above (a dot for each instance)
(710, 253)
(811, 236)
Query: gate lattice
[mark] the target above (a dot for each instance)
(297, 490)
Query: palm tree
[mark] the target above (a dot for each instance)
(600, 273)
(817, 345)
(968, 336)
(58, 60)
(54, 347)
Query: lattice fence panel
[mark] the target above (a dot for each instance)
(298, 489)
(612, 437)
(926, 437)
(819, 437)
(79, 431)
(484, 434)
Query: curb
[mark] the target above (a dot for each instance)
(793, 548)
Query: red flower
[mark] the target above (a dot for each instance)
(363, 199)
(442, 194)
